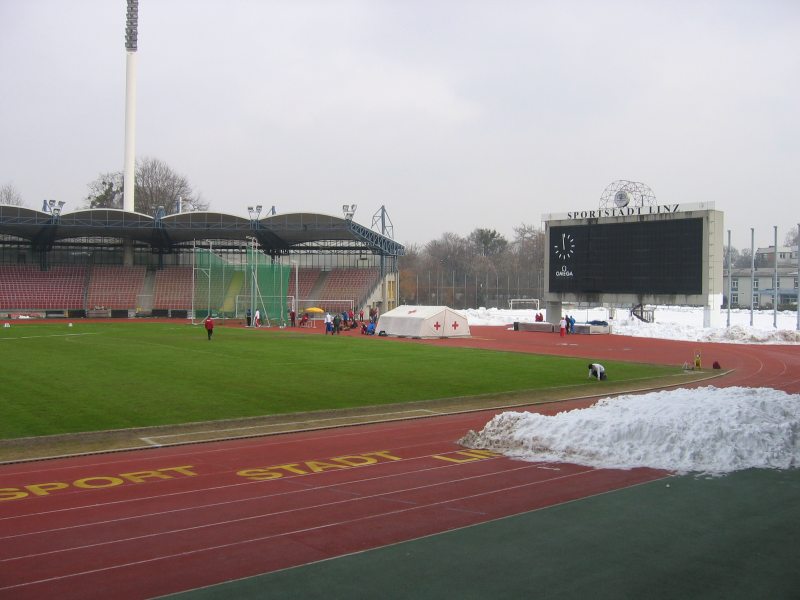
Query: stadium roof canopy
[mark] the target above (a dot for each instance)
(277, 234)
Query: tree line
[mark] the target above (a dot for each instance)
(157, 186)
(486, 269)
(481, 269)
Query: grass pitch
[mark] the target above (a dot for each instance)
(99, 376)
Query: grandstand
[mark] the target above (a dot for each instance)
(114, 287)
(111, 263)
(306, 279)
(173, 289)
(25, 288)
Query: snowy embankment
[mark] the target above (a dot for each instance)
(713, 430)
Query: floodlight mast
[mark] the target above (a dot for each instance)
(131, 37)
(254, 213)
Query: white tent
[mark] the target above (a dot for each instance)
(424, 321)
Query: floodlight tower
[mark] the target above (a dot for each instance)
(131, 35)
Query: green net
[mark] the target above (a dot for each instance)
(227, 288)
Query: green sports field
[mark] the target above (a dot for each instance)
(99, 376)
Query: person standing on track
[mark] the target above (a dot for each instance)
(563, 326)
(209, 325)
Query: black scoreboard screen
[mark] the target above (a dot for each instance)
(643, 257)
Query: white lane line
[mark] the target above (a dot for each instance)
(31, 337)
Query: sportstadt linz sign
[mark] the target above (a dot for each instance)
(628, 211)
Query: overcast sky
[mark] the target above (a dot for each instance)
(453, 114)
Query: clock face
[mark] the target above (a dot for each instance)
(564, 247)
(622, 199)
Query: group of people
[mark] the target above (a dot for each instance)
(347, 320)
(304, 319)
(566, 325)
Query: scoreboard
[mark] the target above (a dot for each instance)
(655, 257)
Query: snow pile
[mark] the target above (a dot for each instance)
(496, 316)
(671, 322)
(703, 430)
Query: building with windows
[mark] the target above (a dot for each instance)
(757, 287)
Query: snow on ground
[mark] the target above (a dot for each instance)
(715, 430)
(671, 322)
(711, 430)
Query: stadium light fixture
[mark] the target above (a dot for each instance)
(254, 213)
(53, 207)
(349, 210)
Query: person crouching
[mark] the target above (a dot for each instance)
(597, 370)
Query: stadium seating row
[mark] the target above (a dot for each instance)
(24, 287)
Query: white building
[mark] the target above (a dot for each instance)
(758, 286)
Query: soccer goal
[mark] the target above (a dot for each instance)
(523, 304)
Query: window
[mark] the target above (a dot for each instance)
(734, 299)
(735, 283)
(755, 283)
(755, 299)
(795, 283)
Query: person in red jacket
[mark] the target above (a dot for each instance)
(209, 324)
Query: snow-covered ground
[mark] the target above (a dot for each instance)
(671, 322)
(711, 430)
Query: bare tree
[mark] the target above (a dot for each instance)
(157, 185)
(106, 191)
(487, 242)
(792, 237)
(743, 260)
(733, 254)
(9, 194)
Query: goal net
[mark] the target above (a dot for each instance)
(523, 304)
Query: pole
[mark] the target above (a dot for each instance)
(296, 286)
(730, 277)
(194, 268)
(797, 297)
(131, 38)
(752, 272)
(775, 292)
(429, 286)
(253, 285)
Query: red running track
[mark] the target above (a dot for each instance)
(142, 524)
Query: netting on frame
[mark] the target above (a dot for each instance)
(227, 286)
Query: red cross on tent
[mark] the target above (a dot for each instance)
(436, 326)
(455, 325)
